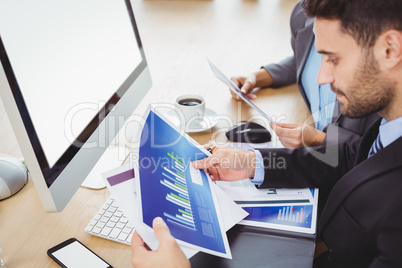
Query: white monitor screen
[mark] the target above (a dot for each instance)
(76, 54)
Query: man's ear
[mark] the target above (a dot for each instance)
(391, 47)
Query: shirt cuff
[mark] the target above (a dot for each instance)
(259, 169)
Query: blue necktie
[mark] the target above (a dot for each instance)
(376, 147)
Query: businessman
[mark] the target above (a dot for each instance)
(302, 68)
(336, 137)
(361, 44)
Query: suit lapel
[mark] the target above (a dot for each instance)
(303, 43)
(385, 160)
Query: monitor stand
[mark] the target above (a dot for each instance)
(112, 158)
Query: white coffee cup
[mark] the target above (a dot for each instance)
(191, 108)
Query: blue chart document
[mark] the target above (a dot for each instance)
(172, 189)
(290, 217)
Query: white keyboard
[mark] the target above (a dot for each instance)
(110, 223)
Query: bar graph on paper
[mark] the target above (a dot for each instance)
(295, 216)
(287, 214)
(174, 179)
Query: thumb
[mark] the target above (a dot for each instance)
(247, 87)
(274, 125)
(277, 128)
(161, 230)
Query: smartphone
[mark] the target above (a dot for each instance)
(73, 254)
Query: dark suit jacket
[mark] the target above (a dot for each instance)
(362, 221)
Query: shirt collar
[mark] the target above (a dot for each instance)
(390, 131)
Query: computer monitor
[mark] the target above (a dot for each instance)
(71, 71)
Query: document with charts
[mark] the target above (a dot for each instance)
(169, 187)
(275, 208)
(294, 217)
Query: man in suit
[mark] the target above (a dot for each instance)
(361, 44)
(335, 136)
(302, 68)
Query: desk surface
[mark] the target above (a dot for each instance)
(239, 36)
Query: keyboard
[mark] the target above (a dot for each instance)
(110, 223)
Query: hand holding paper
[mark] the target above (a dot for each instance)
(228, 164)
(167, 255)
(259, 79)
(235, 89)
(246, 85)
(168, 186)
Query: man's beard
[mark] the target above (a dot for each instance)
(369, 92)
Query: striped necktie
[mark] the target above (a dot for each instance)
(376, 147)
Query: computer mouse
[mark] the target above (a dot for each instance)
(13, 176)
(249, 132)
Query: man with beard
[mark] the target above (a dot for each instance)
(330, 147)
(361, 44)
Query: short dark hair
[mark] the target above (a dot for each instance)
(364, 20)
